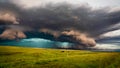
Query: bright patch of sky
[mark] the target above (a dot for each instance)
(111, 34)
(106, 46)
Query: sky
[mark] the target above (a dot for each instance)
(93, 3)
(81, 22)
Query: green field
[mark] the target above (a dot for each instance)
(19, 57)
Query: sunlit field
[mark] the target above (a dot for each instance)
(19, 57)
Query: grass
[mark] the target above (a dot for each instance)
(19, 57)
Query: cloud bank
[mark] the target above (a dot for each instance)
(78, 24)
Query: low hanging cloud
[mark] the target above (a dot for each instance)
(12, 34)
(80, 38)
(7, 18)
(80, 25)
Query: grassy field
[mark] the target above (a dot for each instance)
(19, 57)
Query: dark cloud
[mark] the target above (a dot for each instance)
(62, 22)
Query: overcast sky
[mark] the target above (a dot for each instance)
(84, 20)
(93, 3)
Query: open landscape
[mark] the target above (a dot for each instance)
(59, 33)
(22, 57)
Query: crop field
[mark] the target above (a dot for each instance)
(22, 57)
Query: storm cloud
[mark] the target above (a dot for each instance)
(78, 24)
